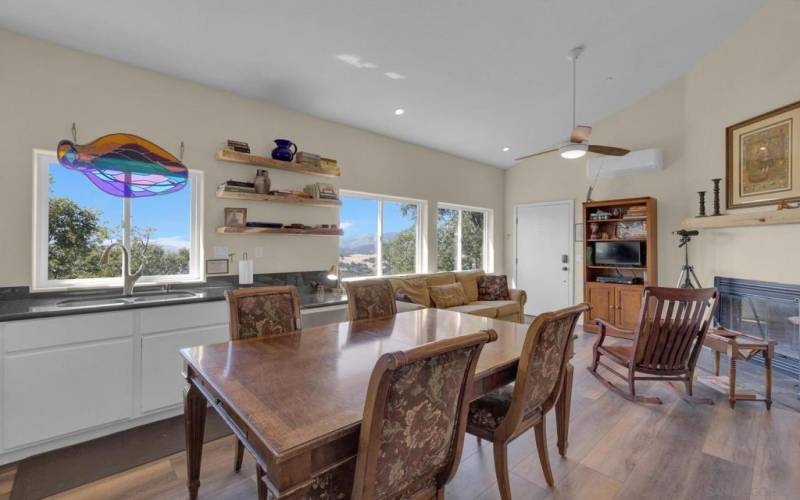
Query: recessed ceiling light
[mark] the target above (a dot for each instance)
(399, 111)
(506, 149)
(395, 76)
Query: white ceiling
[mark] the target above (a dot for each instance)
(481, 74)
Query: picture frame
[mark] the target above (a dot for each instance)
(762, 159)
(235, 217)
(217, 266)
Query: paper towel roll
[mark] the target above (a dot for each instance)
(245, 272)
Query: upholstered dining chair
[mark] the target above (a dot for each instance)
(505, 413)
(257, 312)
(666, 344)
(414, 418)
(370, 299)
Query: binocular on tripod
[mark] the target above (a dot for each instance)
(687, 278)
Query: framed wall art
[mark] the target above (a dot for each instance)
(763, 159)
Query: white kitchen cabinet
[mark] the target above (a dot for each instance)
(162, 365)
(57, 391)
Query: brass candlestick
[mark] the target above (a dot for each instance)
(702, 212)
(716, 196)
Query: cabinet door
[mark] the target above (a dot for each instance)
(601, 298)
(162, 365)
(628, 302)
(54, 392)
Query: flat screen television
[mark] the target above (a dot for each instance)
(618, 253)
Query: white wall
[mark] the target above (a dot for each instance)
(753, 72)
(45, 87)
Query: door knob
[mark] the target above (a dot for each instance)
(565, 268)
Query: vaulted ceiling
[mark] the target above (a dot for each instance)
(473, 77)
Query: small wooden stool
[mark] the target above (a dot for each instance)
(741, 346)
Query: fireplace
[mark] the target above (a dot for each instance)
(766, 310)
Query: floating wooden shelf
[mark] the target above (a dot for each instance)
(312, 202)
(263, 161)
(788, 216)
(281, 230)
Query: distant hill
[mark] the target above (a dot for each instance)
(362, 243)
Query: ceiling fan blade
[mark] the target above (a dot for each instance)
(608, 150)
(580, 133)
(536, 154)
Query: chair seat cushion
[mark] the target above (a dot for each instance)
(504, 307)
(488, 412)
(476, 310)
(621, 352)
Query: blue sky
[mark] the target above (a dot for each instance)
(168, 214)
(359, 217)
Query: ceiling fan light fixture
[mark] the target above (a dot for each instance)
(573, 151)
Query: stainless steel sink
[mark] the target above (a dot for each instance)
(134, 299)
(159, 296)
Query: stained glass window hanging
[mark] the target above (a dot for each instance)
(125, 165)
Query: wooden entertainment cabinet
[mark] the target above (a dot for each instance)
(625, 224)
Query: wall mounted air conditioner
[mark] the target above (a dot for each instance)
(635, 162)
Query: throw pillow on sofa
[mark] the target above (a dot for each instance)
(411, 290)
(493, 287)
(445, 296)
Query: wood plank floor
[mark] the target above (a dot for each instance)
(617, 450)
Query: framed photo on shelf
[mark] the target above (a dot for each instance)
(235, 217)
(763, 159)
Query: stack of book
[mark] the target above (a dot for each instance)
(636, 212)
(329, 166)
(231, 186)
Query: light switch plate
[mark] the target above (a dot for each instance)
(259, 251)
(220, 252)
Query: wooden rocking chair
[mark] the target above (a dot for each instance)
(672, 325)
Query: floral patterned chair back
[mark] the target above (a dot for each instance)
(256, 312)
(370, 299)
(415, 417)
(542, 364)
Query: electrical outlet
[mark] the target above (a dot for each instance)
(259, 252)
(220, 252)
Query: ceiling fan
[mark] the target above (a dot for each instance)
(578, 143)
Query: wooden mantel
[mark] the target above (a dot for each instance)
(773, 217)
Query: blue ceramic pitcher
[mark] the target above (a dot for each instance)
(285, 151)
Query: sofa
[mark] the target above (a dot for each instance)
(413, 292)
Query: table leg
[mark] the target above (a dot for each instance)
(194, 411)
(768, 372)
(732, 377)
(717, 355)
(563, 410)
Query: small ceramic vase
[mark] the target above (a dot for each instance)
(262, 182)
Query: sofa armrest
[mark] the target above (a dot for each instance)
(518, 295)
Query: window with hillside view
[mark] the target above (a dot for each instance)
(76, 221)
(462, 238)
(381, 236)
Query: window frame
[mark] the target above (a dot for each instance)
(487, 250)
(41, 197)
(420, 239)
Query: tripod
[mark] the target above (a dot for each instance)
(687, 278)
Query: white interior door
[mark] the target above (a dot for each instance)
(543, 236)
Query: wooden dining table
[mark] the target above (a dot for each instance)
(296, 400)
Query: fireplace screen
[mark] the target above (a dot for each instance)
(767, 310)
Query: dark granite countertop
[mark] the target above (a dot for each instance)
(23, 306)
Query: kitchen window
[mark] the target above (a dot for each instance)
(462, 238)
(75, 221)
(382, 235)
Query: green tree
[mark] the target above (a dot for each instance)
(400, 254)
(76, 238)
(472, 234)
